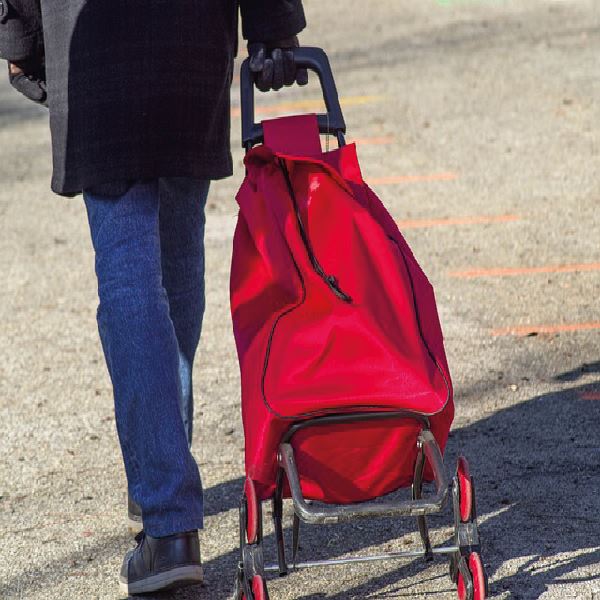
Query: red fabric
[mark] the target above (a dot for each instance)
(300, 135)
(303, 351)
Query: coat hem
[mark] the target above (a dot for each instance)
(73, 188)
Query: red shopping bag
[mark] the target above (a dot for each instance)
(331, 314)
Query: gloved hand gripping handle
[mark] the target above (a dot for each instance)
(314, 59)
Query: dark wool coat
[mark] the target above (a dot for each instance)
(139, 89)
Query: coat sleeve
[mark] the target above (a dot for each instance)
(20, 29)
(270, 20)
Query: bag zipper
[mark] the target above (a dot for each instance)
(330, 280)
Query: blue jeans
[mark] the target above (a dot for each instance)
(149, 246)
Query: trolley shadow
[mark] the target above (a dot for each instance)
(528, 471)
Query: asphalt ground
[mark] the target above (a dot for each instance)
(477, 124)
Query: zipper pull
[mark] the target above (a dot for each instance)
(333, 284)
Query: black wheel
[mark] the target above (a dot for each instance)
(453, 567)
(250, 584)
(466, 568)
(238, 593)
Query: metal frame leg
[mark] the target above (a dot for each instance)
(417, 494)
(278, 522)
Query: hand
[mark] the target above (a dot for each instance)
(273, 64)
(29, 78)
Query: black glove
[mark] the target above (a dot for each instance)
(29, 78)
(273, 64)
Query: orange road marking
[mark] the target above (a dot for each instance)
(307, 105)
(590, 395)
(413, 178)
(373, 141)
(525, 330)
(507, 272)
(476, 220)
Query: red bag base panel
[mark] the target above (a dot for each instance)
(368, 460)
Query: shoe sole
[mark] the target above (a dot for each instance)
(179, 577)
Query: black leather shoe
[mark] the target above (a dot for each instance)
(134, 516)
(162, 563)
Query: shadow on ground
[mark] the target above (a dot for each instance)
(464, 36)
(537, 475)
(579, 372)
(536, 466)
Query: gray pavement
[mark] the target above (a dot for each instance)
(486, 113)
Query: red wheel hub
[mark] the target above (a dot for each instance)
(251, 512)
(466, 490)
(259, 589)
(478, 577)
(478, 574)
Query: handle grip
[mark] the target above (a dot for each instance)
(305, 57)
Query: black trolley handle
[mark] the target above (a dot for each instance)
(315, 59)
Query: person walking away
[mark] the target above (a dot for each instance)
(138, 97)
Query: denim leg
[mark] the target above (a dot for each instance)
(142, 355)
(181, 224)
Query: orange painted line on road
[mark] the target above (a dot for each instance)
(508, 271)
(525, 330)
(413, 178)
(474, 220)
(373, 141)
(590, 395)
(308, 105)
